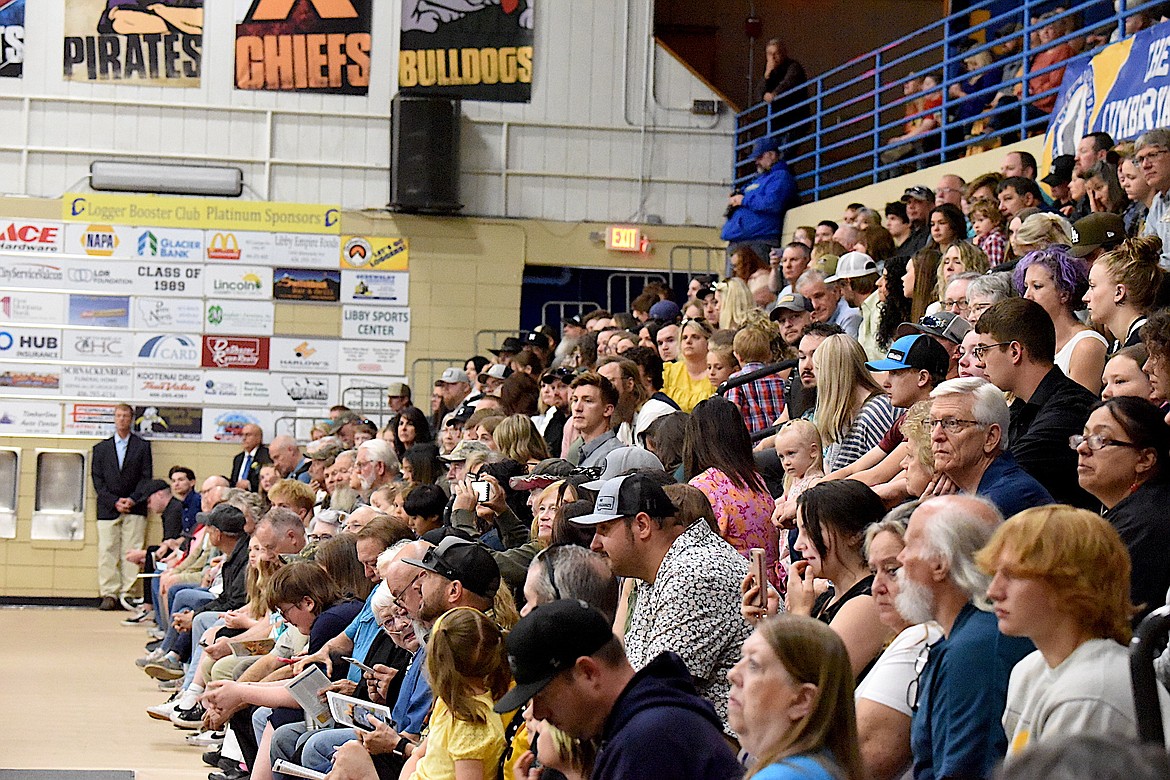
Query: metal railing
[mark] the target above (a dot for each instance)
(836, 140)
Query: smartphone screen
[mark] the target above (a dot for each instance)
(482, 491)
(759, 573)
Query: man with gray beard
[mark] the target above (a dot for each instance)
(960, 692)
(376, 465)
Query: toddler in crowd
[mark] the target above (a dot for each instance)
(798, 445)
(987, 222)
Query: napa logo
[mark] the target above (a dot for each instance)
(148, 245)
(215, 315)
(171, 348)
(99, 241)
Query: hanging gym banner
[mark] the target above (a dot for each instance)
(469, 49)
(303, 45)
(156, 42)
(11, 38)
(1124, 90)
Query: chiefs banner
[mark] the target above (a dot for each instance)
(303, 45)
(469, 49)
(157, 42)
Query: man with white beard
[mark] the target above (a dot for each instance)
(376, 465)
(961, 689)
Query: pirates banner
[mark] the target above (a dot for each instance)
(303, 45)
(157, 42)
(11, 38)
(469, 49)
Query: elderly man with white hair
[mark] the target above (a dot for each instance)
(969, 438)
(959, 695)
(376, 465)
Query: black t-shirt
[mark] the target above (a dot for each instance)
(172, 519)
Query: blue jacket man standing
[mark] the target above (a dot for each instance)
(757, 214)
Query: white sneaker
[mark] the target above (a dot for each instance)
(163, 711)
(205, 738)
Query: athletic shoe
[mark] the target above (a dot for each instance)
(235, 773)
(189, 719)
(165, 668)
(156, 633)
(149, 658)
(163, 711)
(209, 738)
(210, 757)
(171, 686)
(141, 617)
(128, 603)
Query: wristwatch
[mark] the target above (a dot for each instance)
(400, 748)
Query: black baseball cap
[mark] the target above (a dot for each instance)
(225, 517)
(511, 345)
(627, 496)
(548, 640)
(538, 340)
(151, 487)
(468, 562)
(918, 192)
(566, 375)
(944, 324)
(1062, 170)
(573, 321)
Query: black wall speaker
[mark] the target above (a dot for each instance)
(424, 150)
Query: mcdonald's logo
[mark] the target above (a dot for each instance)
(223, 246)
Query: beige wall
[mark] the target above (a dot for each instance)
(465, 276)
(876, 196)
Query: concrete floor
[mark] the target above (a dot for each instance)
(72, 698)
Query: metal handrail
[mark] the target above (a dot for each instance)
(853, 106)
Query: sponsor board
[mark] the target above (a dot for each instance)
(26, 308)
(30, 379)
(86, 419)
(168, 385)
(247, 388)
(92, 346)
(295, 390)
(168, 422)
(23, 271)
(303, 355)
(31, 237)
(227, 425)
(113, 382)
(384, 323)
(167, 314)
(99, 311)
(30, 418)
(242, 246)
(372, 359)
(11, 48)
(306, 284)
(30, 343)
(178, 350)
(376, 288)
(235, 352)
(237, 281)
(57, 273)
(105, 278)
(183, 246)
(246, 318)
(156, 44)
(375, 253)
(100, 240)
(216, 214)
(305, 250)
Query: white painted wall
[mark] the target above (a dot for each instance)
(607, 136)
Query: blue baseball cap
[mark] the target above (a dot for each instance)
(917, 351)
(768, 144)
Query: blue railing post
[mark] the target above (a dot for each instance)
(1121, 8)
(947, 76)
(1025, 51)
(817, 140)
(877, 113)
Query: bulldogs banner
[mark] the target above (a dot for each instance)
(1124, 91)
(157, 42)
(469, 49)
(303, 45)
(11, 38)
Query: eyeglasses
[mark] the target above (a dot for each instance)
(951, 424)
(1149, 157)
(920, 662)
(1098, 442)
(394, 597)
(960, 304)
(979, 350)
(318, 537)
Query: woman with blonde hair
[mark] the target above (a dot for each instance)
(517, 437)
(685, 379)
(962, 256)
(1061, 577)
(792, 702)
(920, 282)
(1123, 289)
(735, 301)
(853, 411)
(1040, 231)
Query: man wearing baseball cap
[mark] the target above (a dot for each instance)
(945, 327)
(919, 200)
(792, 313)
(689, 582)
(913, 366)
(856, 277)
(568, 663)
(756, 215)
(456, 573)
(454, 386)
(1096, 234)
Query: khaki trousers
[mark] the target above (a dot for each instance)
(116, 575)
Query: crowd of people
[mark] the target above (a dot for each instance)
(887, 502)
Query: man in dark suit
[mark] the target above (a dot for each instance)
(246, 465)
(122, 468)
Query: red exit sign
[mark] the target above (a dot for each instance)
(623, 238)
